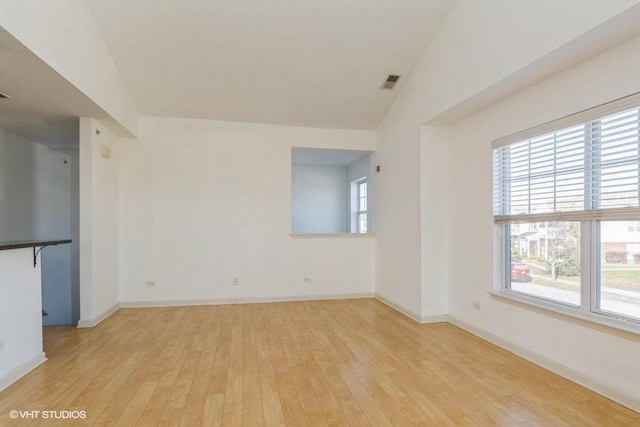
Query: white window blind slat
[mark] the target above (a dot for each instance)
(585, 167)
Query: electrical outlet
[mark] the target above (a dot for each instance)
(476, 305)
(306, 279)
(1, 345)
(236, 281)
(151, 284)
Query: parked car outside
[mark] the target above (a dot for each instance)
(520, 271)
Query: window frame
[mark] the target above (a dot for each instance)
(590, 220)
(587, 310)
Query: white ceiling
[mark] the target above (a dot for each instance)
(44, 107)
(316, 63)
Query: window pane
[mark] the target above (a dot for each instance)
(620, 268)
(362, 223)
(362, 204)
(362, 196)
(545, 260)
(363, 189)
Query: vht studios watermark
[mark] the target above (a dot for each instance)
(47, 415)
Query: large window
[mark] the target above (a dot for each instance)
(567, 210)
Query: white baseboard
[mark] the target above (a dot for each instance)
(90, 323)
(436, 318)
(441, 318)
(22, 370)
(411, 315)
(557, 368)
(256, 300)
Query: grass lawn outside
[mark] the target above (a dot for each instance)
(621, 278)
(617, 276)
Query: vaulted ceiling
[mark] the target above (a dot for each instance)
(302, 62)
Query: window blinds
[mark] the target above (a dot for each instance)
(584, 170)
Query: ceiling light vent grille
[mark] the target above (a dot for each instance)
(4, 95)
(390, 82)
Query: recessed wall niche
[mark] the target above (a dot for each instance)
(331, 191)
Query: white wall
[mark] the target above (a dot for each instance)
(484, 43)
(65, 36)
(99, 222)
(20, 315)
(203, 202)
(35, 203)
(605, 356)
(17, 187)
(52, 171)
(75, 238)
(472, 59)
(435, 243)
(397, 209)
(319, 199)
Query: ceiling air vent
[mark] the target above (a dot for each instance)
(4, 95)
(390, 82)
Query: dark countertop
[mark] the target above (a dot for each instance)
(19, 244)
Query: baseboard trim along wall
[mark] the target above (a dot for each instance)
(557, 368)
(437, 318)
(409, 314)
(441, 318)
(95, 321)
(22, 370)
(222, 301)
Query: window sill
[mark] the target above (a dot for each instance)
(331, 235)
(602, 319)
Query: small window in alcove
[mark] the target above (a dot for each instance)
(330, 191)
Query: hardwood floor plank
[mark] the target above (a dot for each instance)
(292, 410)
(271, 406)
(252, 404)
(304, 343)
(234, 394)
(308, 400)
(349, 362)
(206, 343)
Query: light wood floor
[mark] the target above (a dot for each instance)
(351, 362)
